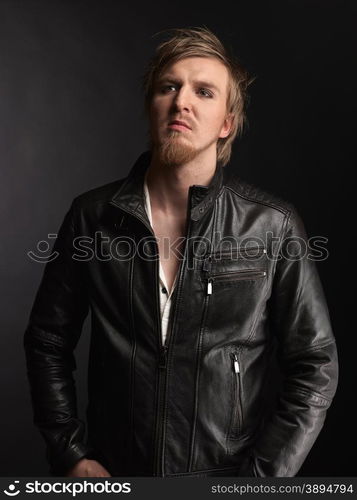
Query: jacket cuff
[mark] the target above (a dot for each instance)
(64, 463)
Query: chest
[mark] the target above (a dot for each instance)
(170, 234)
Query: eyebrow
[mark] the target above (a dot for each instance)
(200, 83)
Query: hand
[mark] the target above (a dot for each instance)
(88, 468)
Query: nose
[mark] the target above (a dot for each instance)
(182, 100)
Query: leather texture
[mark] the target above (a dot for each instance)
(197, 405)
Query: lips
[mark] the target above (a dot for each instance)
(180, 123)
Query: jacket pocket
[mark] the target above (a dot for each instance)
(232, 277)
(243, 274)
(236, 420)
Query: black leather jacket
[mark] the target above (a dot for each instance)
(195, 406)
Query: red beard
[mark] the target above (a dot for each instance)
(174, 151)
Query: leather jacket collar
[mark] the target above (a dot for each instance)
(130, 195)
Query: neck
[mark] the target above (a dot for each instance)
(169, 185)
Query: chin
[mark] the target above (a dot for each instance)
(176, 151)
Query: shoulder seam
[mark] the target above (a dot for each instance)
(95, 195)
(284, 211)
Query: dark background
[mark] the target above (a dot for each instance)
(71, 119)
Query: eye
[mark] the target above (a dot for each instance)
(205, 93)
(167, 88)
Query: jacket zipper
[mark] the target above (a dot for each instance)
(159, 434)
(165, 351)
(236, 419)
(159, 469)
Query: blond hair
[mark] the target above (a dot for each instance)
(201, 42)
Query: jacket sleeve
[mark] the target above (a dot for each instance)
(52, 333)
(307, 357)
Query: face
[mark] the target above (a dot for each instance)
(188, 111)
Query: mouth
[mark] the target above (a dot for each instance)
(179, 125)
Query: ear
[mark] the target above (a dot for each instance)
(227, 126)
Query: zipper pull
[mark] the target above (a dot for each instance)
(236, 363)
(163, 357)
(209, 286)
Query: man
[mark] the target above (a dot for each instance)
(191, 277)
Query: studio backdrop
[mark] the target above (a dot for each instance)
(71, 119)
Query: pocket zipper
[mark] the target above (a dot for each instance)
(233, 276)
(236, 364)
(236, 420)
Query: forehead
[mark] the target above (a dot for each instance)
(198, 69)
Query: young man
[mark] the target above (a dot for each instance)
(196, 277)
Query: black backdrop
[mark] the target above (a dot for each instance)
(71, 119)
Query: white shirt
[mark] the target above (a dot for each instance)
(165, 298)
